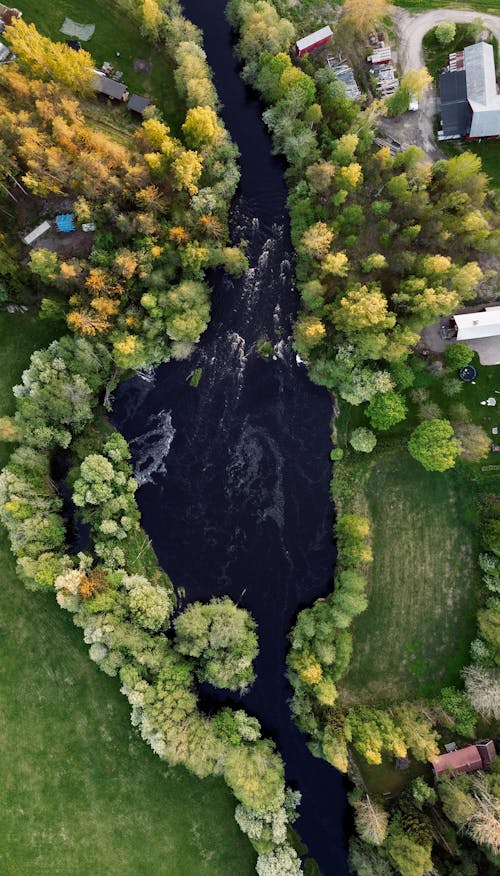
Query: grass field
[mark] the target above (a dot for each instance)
(415, 634)
(421, 5)
(80, 794)
(115, 32)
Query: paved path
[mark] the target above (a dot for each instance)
(411, 29)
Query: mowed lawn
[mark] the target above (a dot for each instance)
(115, 32)
(80, 793)
(415, 634)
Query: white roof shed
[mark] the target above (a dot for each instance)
(36, 233)
(485, 324)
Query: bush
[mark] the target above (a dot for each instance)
(398, 103)
(434, 445)
(445, 32)
(385, 410)
(459, 355)
(363, 440)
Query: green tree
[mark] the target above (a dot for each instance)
(255, 774)
(464, 717)
(407, 855)
(445, 32)
(44, 264)
(222, 638)
(434, 445)
(385, 410)
(422, 793)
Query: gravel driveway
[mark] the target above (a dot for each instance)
(411, 28)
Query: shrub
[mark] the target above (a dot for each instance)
(434, 445)
(445, 32)
(363, 440)
(385, 410)
(459, 355)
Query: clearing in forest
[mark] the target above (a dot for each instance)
(115, 31)
(415, 634)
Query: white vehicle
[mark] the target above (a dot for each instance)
(413, 107)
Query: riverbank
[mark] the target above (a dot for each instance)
(80, 791)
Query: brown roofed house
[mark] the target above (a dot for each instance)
(466, 760)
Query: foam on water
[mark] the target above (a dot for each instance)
(150, 450)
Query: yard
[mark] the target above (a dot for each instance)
(115, 32)
(79, 791)
(414, 636)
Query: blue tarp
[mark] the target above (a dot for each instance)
(65, 222)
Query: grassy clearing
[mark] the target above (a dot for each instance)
(415, 634)
(79, 792)
(115, 32)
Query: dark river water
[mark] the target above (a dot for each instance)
(234, 475)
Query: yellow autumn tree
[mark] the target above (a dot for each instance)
(309, 331)
(363, 308)
(416, 81)
(187, 169)
(350, 176)
(336, 264)
(362, 15)
(317, 239)
(48, 60)
(201, 127)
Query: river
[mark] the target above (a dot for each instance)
(235, 474)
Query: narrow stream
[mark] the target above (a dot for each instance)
(234, 475)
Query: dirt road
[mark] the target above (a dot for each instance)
(411, 29)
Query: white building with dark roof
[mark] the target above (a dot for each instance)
(470, 103)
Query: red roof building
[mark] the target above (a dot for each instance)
(314, 40)
(466, 760)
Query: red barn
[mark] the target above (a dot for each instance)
(318, 38)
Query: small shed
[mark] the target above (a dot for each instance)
(314, 40)
(102, 84)
(138, 103)
(36, 233)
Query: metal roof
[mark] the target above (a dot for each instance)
(482, 324)
(464, 760)
(455, 110)
(36, 233)
(104, 85)
(313, 38)
(479, 65)
(138, 103)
